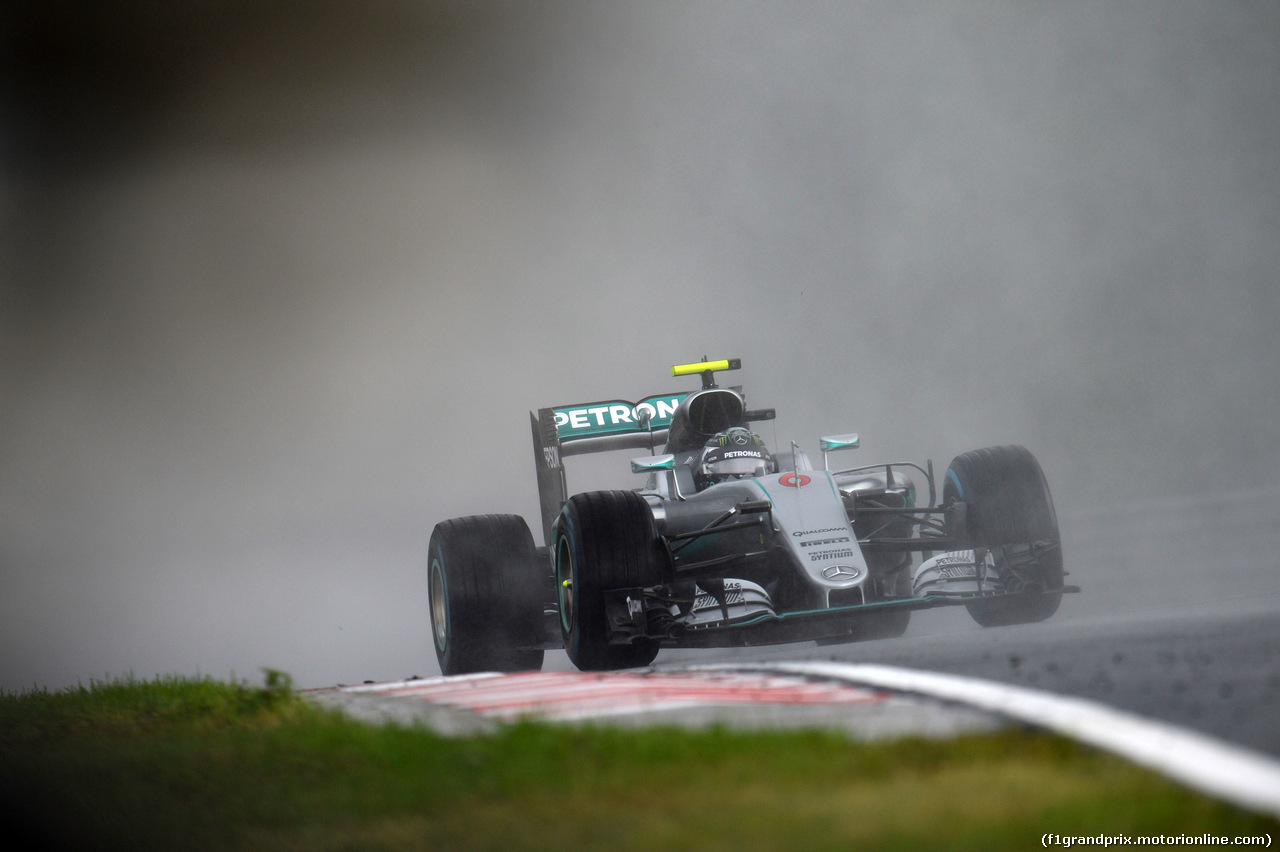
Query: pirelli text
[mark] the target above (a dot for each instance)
(1107, 840)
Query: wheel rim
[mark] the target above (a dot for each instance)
(439, 606)
(564, 584)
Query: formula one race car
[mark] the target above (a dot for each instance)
(729, 544)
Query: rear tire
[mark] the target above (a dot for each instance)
(1008, 503)
(485, 585)
(603, 540)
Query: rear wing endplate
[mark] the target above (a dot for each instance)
(594, 427)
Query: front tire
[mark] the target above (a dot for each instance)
(603, 540)
(1008, 503)
(485, 585)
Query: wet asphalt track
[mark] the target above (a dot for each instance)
(1214, 672)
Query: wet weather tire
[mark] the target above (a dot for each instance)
(1008, 503)
(603, 540)
(485, 587)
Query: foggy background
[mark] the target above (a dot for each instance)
(279, 282)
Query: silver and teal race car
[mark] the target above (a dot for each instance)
(730, 544)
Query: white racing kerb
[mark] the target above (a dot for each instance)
(1237, 775)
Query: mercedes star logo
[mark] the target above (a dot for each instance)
(840, 572)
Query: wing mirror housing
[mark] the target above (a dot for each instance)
(649, 464)
(832, 443)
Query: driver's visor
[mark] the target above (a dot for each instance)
(736, 467)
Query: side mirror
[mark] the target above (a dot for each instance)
(648, 464)
(831, 443)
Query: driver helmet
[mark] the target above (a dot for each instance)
(736, 453)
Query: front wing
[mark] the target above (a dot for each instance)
(802, 626)
(764, 629)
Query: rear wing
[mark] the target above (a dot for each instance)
(593, 427)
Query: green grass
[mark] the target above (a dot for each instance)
(197, 764)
